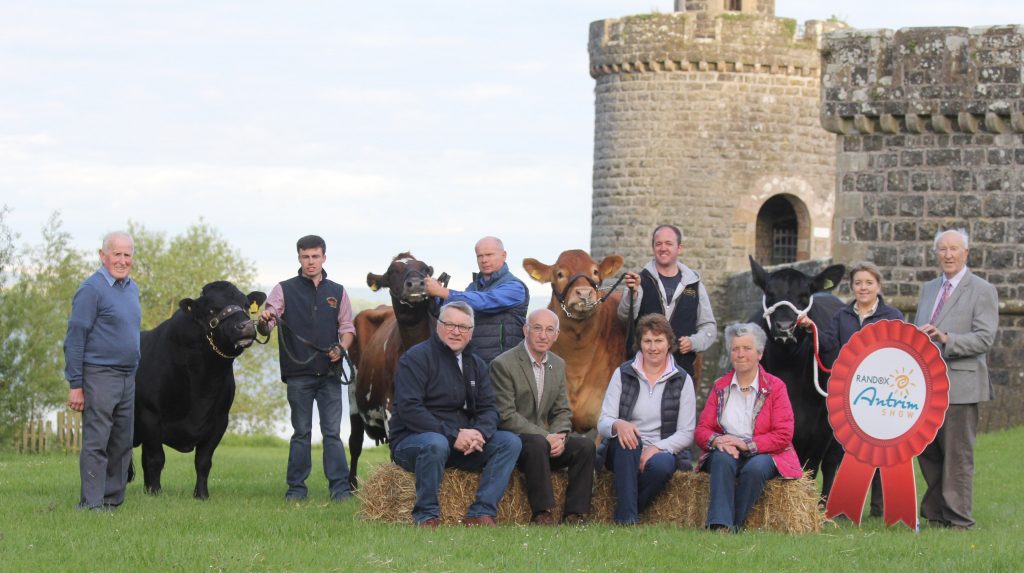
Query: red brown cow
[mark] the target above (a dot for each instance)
(592, 339)
(382, 335)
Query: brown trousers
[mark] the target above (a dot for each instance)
(948, 468)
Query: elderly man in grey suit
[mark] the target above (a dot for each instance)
(959, 311)
(529, 385)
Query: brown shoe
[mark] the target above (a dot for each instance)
(483, 520)
(431, 523)
(574, 519)
(542, 518)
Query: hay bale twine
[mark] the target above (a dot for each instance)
(789, 506)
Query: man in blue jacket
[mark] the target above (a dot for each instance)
(444, 415)
(101, 354)
(498, 299)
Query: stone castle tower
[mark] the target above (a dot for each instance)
(931, 136)
(709, 118)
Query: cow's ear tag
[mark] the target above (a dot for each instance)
(254, 308)
(375, 287)
(829, 284)
(535, 275)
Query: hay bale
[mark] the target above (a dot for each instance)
(390, 493)
(787, 505)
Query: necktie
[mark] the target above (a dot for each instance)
(538, 374)
(946, 288)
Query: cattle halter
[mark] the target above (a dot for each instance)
(587, 305)
(769, 310)
(214, 322)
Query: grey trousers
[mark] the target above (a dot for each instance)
(947, 465)
(108, 423)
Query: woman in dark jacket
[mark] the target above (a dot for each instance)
(867, 307)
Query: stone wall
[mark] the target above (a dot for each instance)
(931, 136)
(699, 121)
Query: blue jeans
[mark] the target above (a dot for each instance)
(428, 454)
(635, 490)
(729, 505)
(302, 391)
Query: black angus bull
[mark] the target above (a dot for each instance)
(789, 354)
(383, 334)
(186, 382)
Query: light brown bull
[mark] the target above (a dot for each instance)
(592, 340)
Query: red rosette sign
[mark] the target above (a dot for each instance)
(887, 398)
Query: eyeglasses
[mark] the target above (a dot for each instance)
(549, 330)
(452, 327)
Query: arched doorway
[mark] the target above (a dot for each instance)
(783, 231)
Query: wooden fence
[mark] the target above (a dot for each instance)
(38, 436)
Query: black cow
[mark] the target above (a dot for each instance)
(186, 382)
(383, 334)
(789, 354)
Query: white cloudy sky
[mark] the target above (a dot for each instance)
(383, 126)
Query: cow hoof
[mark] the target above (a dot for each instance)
(153, 490)
(202, 496)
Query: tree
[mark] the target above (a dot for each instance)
(169, 270)
(35, 296)
(38, 282)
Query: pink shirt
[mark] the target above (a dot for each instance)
(275, 304)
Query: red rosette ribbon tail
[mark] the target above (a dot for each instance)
(900, 493)
(850, 489)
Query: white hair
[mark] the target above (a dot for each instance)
(959, 231)
(109, 238)
(738, 329)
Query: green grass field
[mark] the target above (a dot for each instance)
(247, 526)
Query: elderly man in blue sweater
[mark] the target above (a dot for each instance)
(101, 354)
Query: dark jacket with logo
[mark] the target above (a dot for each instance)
(433, 395)
(311, 312)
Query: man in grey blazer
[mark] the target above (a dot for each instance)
(959, 311)
(529, 385)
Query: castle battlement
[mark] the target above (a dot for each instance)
(690, 41)
(924, 80)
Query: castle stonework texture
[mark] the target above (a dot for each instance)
(931, 136)
(709, 119)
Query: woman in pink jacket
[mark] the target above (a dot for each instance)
(745, 430)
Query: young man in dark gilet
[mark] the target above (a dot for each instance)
(668, 287)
